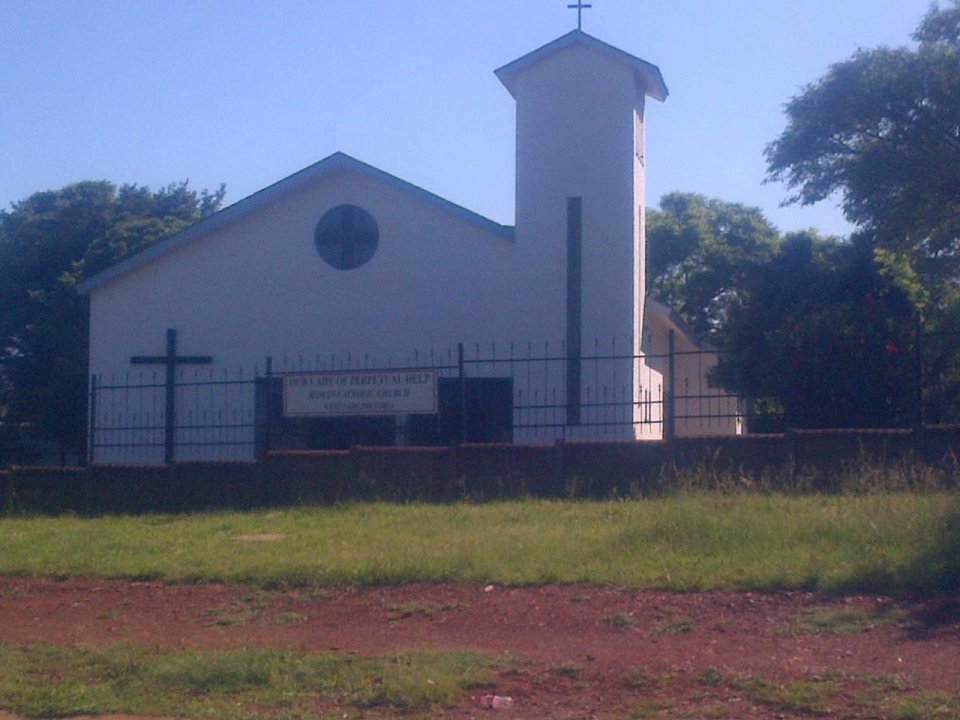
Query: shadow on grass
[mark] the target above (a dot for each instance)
(936, 613)
(930, 584)
(936, 577)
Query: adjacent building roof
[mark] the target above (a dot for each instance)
(648, 76)
(656, 311)
(334, 163)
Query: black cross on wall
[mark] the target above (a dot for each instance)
(170, 361)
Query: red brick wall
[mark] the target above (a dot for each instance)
(475, 472)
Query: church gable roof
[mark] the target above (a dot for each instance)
(243, 208)
(647, 75)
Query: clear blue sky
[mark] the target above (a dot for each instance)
(248, 92)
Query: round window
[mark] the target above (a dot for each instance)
(347, 237)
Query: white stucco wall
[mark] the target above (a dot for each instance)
(575, 138)
(259, 287)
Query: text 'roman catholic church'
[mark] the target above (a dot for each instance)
(390, 315)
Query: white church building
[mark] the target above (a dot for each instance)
(391, 315)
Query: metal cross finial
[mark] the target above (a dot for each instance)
(579, 7)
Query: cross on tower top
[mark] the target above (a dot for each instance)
(579, 7)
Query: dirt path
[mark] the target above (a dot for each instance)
(592, 648)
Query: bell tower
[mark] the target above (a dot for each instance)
(580, 183)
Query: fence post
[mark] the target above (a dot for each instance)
(461, 370)
(919, 372)
(267, 395)
(170, 417)
(670, 420)
(92, 424)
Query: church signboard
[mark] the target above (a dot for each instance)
(361, 392)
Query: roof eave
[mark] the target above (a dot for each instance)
(648, 76)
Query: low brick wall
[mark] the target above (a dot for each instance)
(308, 477)
(613, 469)
(474, 472)
(841, 451)
(50, 489)
(940, 446)
(750, 455)
(487, 472)
(403, 474)
(6, 492)
(128, 488)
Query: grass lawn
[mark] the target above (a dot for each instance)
(230, 685)
(875, 542)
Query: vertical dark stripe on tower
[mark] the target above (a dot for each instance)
(574, 306)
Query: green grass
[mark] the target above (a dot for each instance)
(418, 609)
(45, 681)
(672, 625)
(711, 694)
(804, 697)
(843, 621)
(39, 681)
(882, 542)
(621, 620)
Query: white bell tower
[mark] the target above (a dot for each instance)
(580, 208)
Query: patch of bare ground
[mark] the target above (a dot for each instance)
(587, 651)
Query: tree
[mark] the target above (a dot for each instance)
(882, 129)
(48, 243)
(822, 331)
(700, 251)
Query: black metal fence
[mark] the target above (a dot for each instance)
(213, 415)
(486, 394)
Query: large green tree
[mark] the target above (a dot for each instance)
(826, 335)
(882, 131)
(700, 251)
(48, 243)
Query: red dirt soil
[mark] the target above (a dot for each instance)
(590, 648)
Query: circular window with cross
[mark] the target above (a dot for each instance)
(347, 237)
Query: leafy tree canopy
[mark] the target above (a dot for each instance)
(48, 243)
(823, 331)
(882, 129)
(818, 328)
(699, 252)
